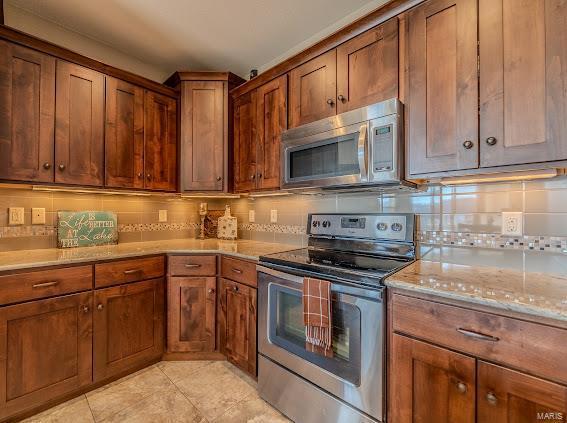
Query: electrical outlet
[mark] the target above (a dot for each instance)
(162, 217)
(16, 216)
(251, 216)
(273, 216)
(512, 223)
(38, 216)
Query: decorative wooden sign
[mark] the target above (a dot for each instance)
(86, 228)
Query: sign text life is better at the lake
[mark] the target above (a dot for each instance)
(86, 228)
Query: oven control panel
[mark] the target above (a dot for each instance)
(386, 226)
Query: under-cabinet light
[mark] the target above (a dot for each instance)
(95, 191)
(269, 194)
(526, 175)
(210, 195)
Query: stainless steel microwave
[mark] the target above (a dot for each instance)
(362, 148)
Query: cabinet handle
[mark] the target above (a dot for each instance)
(210, 290)
(86, 309)
(45, 284)
(478, 335)
(330, 102)
(462, 388)
(235, 288)
(131, 271)
(468, 144)
(61, 167)
(219, 178)
(191, 266)
(47, 166)
(491, 141)
(491, 398)
(99, 307)
(235, 270)
(341, 98)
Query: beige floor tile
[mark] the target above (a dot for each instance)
(214, 389)
(111, 399)
(76, 410)
(169, 406)
(251, 410)
(242, 375)
(179, 370)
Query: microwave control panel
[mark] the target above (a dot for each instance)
(383, 148)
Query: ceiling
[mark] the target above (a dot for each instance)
(230, 35)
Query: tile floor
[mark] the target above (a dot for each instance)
(170, 391)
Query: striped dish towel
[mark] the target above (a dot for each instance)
(317, 316)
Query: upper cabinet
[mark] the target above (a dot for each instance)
(443, 105)
(205, 129)
(244, 161)
(27, 111)
(523, 80)
(367, 68)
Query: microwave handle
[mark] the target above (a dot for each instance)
(363, 151)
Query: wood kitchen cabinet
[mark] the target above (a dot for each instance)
(442, 94)
(237, 324)
(79, 125)
(27, 113)
(124, 135)
(160, 142)
(128, 326)
(523, 75)
(45, 351)
(244, 161)
(192, 314)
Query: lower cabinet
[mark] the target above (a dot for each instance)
(191, 314)
(45, 350)
(128, 326)
(237, 324)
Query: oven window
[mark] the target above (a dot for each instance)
(335, 157)
(288, 332)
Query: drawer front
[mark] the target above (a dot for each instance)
(192, 265)
(527, 346)
(132, 270)
(45, 283)
(239, 270)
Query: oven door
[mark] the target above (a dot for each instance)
(355, 372)
(332, 158)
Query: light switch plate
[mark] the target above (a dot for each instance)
(273, 216)
(512, 223)
(16, 216)
(162, 216)
(38, 216)
(251, 216)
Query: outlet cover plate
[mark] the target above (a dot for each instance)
(16, 216)
(251, 216)
(162, 217)
(512, 223)
(273, 216)
(38, 216)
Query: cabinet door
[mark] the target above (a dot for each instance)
(79, 125)
(128, 326)
(27, 110)
(430, 384)
(203, 135)
(124, 135)
(367, 67)
(271, 121)
(523, 75)
(312, 91)
(237, 324)
(191, 314)
(160, 142)
(507, 396)
(45, 351)
(244, 161)
(443, 97)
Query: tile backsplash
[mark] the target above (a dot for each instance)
(461, 215)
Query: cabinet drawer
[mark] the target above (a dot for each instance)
(44, 283)
(123, 271)
(239, 270)
(192, 265)
(527, 346)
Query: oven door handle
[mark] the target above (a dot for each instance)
(363, 152)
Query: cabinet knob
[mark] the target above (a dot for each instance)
(491, 398)
(468, 144)
(491, 141)
(61, 167)
(140, 174)
(461, 387)
(219, 178)
(86, 309)
(259, 175)
(253, 177)
(341, 98)
(99, 307)
(330, 102)
(46, 166)
(149, 176)
(210, 290)
(235, 288)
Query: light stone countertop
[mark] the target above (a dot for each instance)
(530, 282)
(13, 260)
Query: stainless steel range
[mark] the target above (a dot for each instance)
(355, 252)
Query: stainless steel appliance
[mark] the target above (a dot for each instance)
(355, 252)
(360, 149)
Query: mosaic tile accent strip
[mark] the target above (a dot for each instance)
(492, 240)
(271, 227)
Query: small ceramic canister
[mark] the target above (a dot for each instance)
(227, 226)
